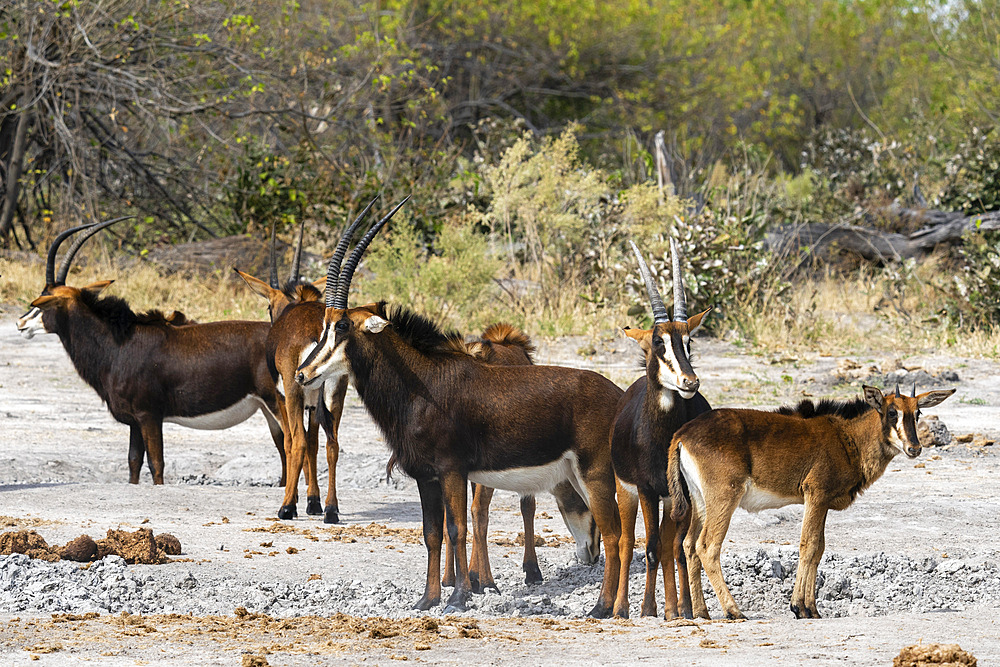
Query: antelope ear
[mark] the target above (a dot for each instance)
(320, 284)
(46, 302)
(694, 323)
(931, 398)
(375, 324)
(98, 287)
(873, 396)
(635, 334)
(257, 285)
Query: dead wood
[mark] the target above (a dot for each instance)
(936, 227)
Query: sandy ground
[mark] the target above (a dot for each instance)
(63, 472)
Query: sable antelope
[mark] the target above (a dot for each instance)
(209, 376)
(450, 418)
(822, 455)
(503, 344)
(297, 326)
(280, 299)
(649, 413)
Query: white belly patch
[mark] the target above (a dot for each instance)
(237, 413)
(756, 499)
(530, 481)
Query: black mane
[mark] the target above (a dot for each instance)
(113, 311)
(844, 409)
(424, 335)
(300, 288)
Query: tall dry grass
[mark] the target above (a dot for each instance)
(142, 285)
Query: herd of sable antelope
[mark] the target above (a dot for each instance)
(456, 413)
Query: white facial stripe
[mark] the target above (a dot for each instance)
(31, 323)
(306, 351)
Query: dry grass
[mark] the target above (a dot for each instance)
(863, 311)
(209, 298)
(836, 313)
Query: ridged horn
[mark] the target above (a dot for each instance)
(655, 300)
(297, 257)
(333, 269)
(50, 262)
(272, 279)
(344, 284)
(80, 240)
(680, 302)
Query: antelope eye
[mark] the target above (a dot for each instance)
(342, 326)
(657, 341)
(892, 413)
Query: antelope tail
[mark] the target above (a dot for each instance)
(678, 495)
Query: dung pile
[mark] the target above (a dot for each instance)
(934, 655)
(140, 546)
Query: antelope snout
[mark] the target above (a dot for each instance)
(690, 385)
(913, 452)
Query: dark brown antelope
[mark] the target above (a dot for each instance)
(209, 376)
(821, 455)
(450, 418)
(649, 413)
(504, 344)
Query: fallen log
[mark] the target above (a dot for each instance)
(938, 227)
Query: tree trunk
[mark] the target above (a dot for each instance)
(883, 247)
(12, 172)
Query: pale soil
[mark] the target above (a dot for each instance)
(63, 472)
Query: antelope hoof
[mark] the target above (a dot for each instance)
(287, 512)
(735, 616)
(804, 612)
(425, 603)
(331, 515)
(448, 580)
(600, 610)
(532, 575)
(621, 613)
(651, 611)
(475, 584)
(457, 603)
(313, 508)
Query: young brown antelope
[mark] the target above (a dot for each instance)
(147, 370)
(649, 413)
(297, 316)
(449, 419)
(823, 456)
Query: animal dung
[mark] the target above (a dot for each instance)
(928, 655)
(82, 549)
(140, 546)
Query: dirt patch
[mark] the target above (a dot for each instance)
(349, 534)
(139, 547)
(928, 655)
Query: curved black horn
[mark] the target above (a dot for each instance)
(656, 301)
(344, 284)
(680, 302)
(898, 393)
(272, 279)
(913, 390)
(80, 240)
(50, 262)
(297, 257)
(333, 269)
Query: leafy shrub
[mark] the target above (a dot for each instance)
(973, 173)
(978, 283)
